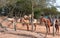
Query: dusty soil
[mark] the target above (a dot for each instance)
(3, 35)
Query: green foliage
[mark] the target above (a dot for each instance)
(37, 13)
(50, 11)
(19, 8)
(0, 10)
(24, 7)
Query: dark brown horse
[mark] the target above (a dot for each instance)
(57, 25)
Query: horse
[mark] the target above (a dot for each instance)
(25, 21)
(11, 20)
(57, 25)
(35, 23)
(46, 22)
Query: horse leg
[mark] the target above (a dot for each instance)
(57, 29)
(35, 26)
(49, 29)
(27, 27)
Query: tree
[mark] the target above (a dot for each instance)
(50, 11)
(37, 13)
(24, 7)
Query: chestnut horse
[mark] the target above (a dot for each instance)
(47, 23)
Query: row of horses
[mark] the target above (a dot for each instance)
(27, 21)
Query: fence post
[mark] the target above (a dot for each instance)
(14, 24)
(32, 15)
(54, 28)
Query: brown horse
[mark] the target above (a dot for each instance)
(25, 21)
(47, 23)
(57, 25)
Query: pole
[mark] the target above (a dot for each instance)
(54, 28)
(15, 21)
(32, 15)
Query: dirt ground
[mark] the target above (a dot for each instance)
(3, 35)
(40, 29)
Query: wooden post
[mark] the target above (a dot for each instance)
(15, 21)
(15, 25)
(32, 15)
(54, 28)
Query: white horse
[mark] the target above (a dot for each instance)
(35, 22)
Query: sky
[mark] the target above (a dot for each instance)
(58, 4)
